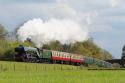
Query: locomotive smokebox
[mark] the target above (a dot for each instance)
(19, 49)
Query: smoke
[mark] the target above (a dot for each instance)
(42, 32)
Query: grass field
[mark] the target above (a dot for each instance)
(13, 72)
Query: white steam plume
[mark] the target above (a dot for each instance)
(63, 30)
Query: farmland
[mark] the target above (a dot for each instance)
(14, 72)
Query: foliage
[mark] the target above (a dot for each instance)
(86, 48)
(7, 48)
(123, 52)
(3, 32)
(53, 45)
(7, 44)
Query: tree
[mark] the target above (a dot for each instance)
(3, 32)
(53, 45)
(123, 52)
(106, 55)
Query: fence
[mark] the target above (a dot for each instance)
(36, 67)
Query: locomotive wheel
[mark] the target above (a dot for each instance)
(24, 59)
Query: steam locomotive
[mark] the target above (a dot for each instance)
(32, 54)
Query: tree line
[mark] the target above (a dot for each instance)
(86, 48)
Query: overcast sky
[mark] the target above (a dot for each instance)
(105, 19)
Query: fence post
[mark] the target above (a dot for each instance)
(25, 68)
(77, 68)
(1, 67)
(61, 67)
(54, 67)
(14, 67)
(36, 67)
(45, 68)
(41, 68)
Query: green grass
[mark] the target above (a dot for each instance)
(13, 72)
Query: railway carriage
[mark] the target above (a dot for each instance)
(100, 63)
(78, 59)
(89, 60)
(60, 57)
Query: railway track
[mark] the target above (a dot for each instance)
(107, 69)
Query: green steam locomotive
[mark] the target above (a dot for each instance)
(31, 54)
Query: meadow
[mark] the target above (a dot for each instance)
(16, 72)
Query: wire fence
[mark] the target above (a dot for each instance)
(37, 67)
